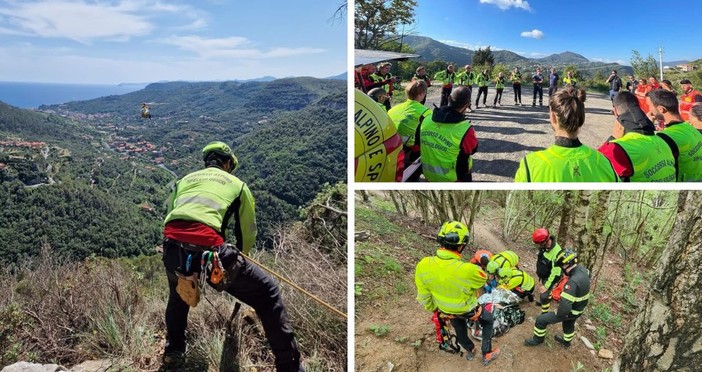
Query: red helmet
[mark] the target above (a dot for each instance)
(540, 235)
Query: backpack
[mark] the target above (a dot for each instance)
(506, 315)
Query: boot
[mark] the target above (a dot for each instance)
(534, 341)
(173, 361)
(489, 357)
(561, 341)
(470, 354)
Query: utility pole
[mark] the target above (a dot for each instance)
(660, 59)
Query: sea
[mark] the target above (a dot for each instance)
(33, 95)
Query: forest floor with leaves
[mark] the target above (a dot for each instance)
(508, 132)
(394, 333)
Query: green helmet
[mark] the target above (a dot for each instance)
(504, 272)
(492, 267)
(453, 234)
(220, 148)
(567, 257)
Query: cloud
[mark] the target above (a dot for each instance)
(536, 34)
(85, 21)
(506, 4)
(232, 47)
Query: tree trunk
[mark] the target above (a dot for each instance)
(474, 208)
(593, 246)
(582, 201)
(566, 210)
(665, 336)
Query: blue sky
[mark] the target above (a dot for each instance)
(599, 30)
(120, 41)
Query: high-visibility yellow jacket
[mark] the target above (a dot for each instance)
(447, 283)
(518, 279)
(212, 196)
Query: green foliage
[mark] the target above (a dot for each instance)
(483, 57)
(501, 67)
(374, 20)
(601, 312)
(11, 346)
(289, 135)
(380, 330)
(644, 67)
(75, 220)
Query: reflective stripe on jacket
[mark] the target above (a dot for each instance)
(212, 196)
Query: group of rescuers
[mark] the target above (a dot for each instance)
(449, 285)
(637, 151)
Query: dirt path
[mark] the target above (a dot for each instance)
(506, 134)
(409, 324)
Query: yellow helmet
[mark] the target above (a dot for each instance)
(220, 148)
(453, 234)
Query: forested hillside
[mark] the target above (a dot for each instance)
(97, 170)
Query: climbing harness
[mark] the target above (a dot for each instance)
(446, 340)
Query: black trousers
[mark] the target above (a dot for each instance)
(543, 320)
(460, 324)
(538, 89)
(251, 286)
(517, 92)
(481, 91)
(445, 93)
(552, 90)
(498, 96)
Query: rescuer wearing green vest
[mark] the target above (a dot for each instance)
(199, 211)
(573, 292)
(517, 281)
(447, 78)
(384, 76)
(568, 160)
(407, 116)
(482, 80)
(447, 284)
(684, 140)
(466, 78)
(448, 141)
(636, 153)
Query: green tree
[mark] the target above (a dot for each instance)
(500, 67)
(484, 57)
(576, 74)
(643, 67)
(377, 21)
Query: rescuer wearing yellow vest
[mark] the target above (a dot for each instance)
(517, 281)
(573, 292)
(199, 211)
(447, 284)
(636, 153)
(448, 141)
(684, 140)
(407, 116)
(568, 160)
(447, 78)
(466, 78)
